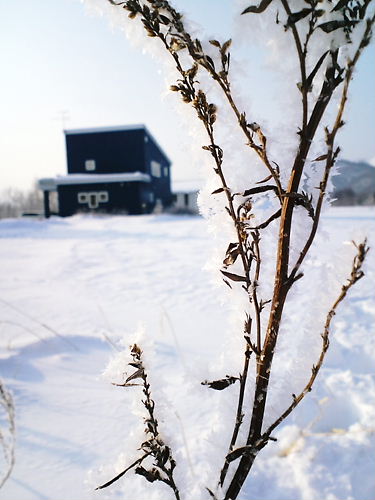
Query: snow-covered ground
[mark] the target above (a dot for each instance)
(71, 288)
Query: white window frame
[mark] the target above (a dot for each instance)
(155, 169)
(90, 165)
(92, 198)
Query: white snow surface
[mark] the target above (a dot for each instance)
(73, 291)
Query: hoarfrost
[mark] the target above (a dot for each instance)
(242, 168)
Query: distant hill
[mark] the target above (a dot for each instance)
(354, 184)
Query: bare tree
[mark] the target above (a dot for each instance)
(321, 78)
(15, 202)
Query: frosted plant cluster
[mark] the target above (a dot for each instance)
(233, 168)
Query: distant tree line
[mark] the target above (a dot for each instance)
(355, 184)
(16, 202)
(348, 197)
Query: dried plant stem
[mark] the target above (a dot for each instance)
(163, 464)
(232, 212)
(256, 239)
(239, 415)
(281, 288)
(283, 281)
(251, 450)
(261, 151)
(162, 21)
(249, 348)
(119, 476)
(43, 325)
(7, 443)
(302, 53)
(330, 139)
(355, 275)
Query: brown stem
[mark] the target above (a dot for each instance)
(219, 170)
(261, 152)
(330, 143)
(356, 275)
(119, 476)
(176, 35)
(243, 379)
(256, 239)
(281, 287)
(239, 414)
(302, 64)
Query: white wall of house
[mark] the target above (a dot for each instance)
(185, 193)
(186, 200)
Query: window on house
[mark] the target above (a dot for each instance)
(155, 168)
(90, 165)
(165, 171)
(93, 198)
(103, 196)
(83, 197)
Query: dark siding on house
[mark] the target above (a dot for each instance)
(123, 197)
(112, 151)
(162, 184)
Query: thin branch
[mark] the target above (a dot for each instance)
(330, 143)
(7, 444)
(302, 64)
(256, 239)
(153, 446)
(355, 275)
(264, 224)
(197, 54)
(282, 284)
(239, 414)
(44, 325)
(171, 31)
(119, 476)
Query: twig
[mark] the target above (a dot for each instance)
(119, 476)
(44, 325)
(161, 21)
(8, 445)
(330, 139)
(163, 462)
(355, 275)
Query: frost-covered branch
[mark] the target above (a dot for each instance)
(355, 275)
(163, 464)
(283, 281)
(7, 432)
(323, 76)
(331, 155)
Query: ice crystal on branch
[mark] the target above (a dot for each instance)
(260, 200)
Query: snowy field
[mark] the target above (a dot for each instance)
(71, 288)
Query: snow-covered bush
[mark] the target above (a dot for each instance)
(264, 196)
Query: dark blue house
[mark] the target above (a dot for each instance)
(118, 169)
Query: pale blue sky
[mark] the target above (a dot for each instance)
(55, 57)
